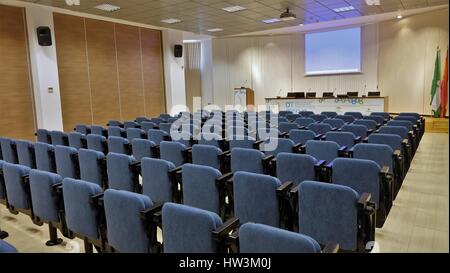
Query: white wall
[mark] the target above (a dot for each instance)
(173, 70)
(44, 70)
(274, 65)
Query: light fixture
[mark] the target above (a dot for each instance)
(107, 7)
(171, 21)
(72, 2)
(373, 2)
(271, 21)
(301, 25)
(190, 41)
(215, 29)
(233, 8)
(287, 16)
(399, 16)
(344, 9)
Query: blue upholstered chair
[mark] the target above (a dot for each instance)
(378, 119)
(329, 114)
(122, 172)
(83, 129)
(9, 150)
(334, 122)
(356, 115)
(93, 167)
(119, 145)
(147, 125)
(99, 130)
(59, 138)
(242, 141)
(259, 238)
(116, 131)
(135, 133)
(306, 113)
(158, 180)
(174, 152)
(130, 124)
(140, 120)
(2, 185)
(320, 128)
(295, 168)
(7, 248)
(370, 124)
(166, 127)
(249, 160)
(384, 115)
(211, 140)
(143, 148)
(211, 156)
(318, 118)
(335, 213)
(301, 136)
(127, 231)
(25, 154)
(347, 139)
(358, 130)
(45, 157)
(157, 136)
(43, 135)
(77, 140)
(67, 164)
(115, 123)
(322, 150)
(285, 127)
(346, 118)
(97, 143)
(304, 122)
(284, 145)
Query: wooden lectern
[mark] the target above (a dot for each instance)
(244, 97)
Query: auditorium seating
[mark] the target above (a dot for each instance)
(143, 148)
(356, 115)
(83, 129)
(304, 122)
(370, 124)
(26, 154)
(122, 174)
(318, 118)
(334, 122)
(6, 248)
(116, 131)
(343, 139)
(97, 143)
(93, 167)
(346, 118)
(358, 130)
(59, 138)
(323, 150)
(43, 136)
(319, 128)
(302, 136)
(9, 150)
(67, 164)
(329, 114)
(159, 180)
(45, 157)
(119, 145)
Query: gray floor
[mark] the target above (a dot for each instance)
(418, 221)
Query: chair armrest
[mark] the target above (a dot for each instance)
(226, 228)
(26, 179)
(259, 142)
(397, 153)
(97, 199)
(224, 178)
(364, 198)
(331, 248)
(357, 139)
(283, 189)
(268, 158)
(370, 131)
(385, 170)
(150, 212)
(320, 164)
(330, 165)
(297, 148)
(342, 149)
(57, 186)
(365, 140)
(319, 136)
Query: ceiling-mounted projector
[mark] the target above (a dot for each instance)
(287, 16)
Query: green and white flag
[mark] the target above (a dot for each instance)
(435, 88)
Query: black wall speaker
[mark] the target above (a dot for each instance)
(178, 50)
(44, 36)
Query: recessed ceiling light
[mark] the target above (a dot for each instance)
(301, 25)
(108, 7)
(344, 9)
(190, 41)
(215, 29)
(234, 8)
(72, 2)
(399, 16)
(171, 21)
(271, 21)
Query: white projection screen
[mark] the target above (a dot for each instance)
(333, 52)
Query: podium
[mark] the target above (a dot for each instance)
(244, 97)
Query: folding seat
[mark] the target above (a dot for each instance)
(143, 148)
(67, 164)
(135, 133)
(323, 150)
(233, 131)
(130, 124)
(97, 143)
(157, 136)
(358, 130)
(417, 123)
(166, 127)
(45, 157)
(282, 119)
(46, 204)
(356, 115)
(93, 167)
(259, 199)
(334, 213)
(370, 124)
(318, 118)
(284, 113)
(213, 129)
(116, 131)
(402, 132)
(302, 136)
(334, 122)
(165, 116)
(115, 123)
(157, 121)
(250, 160)
(304, 122)
(2, 190)
(293, 117)
(43, 136)
(285, 127)
(17, 187)
(141, 119)
(171, 120)
(9, 150)
(211, 156)
(159, 181)
(59, 138)
(347, 139)
(284, 145)
(395, 142)
(346, 118)
(378, 119)
(320, 128)
(77, 140)
(6, 248)
(306, 113)
(82, 215)
(183, 137)
(329, 114)
(99, 130)
(297, 168)
(25, 154)
(119, 145)
(187, 229)
(127, 230)
(259, 238)
(365, 176)
(242, 141)
(174, 152)
(122, 172)
(420, 121)
(413, 132)
(147, 125)
(83, 129)
(385, 115)
(212, 140)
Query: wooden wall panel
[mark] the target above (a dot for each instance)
(130, 73)
(153, 72)
(17, 118)
(103, 71)
(73, 70)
